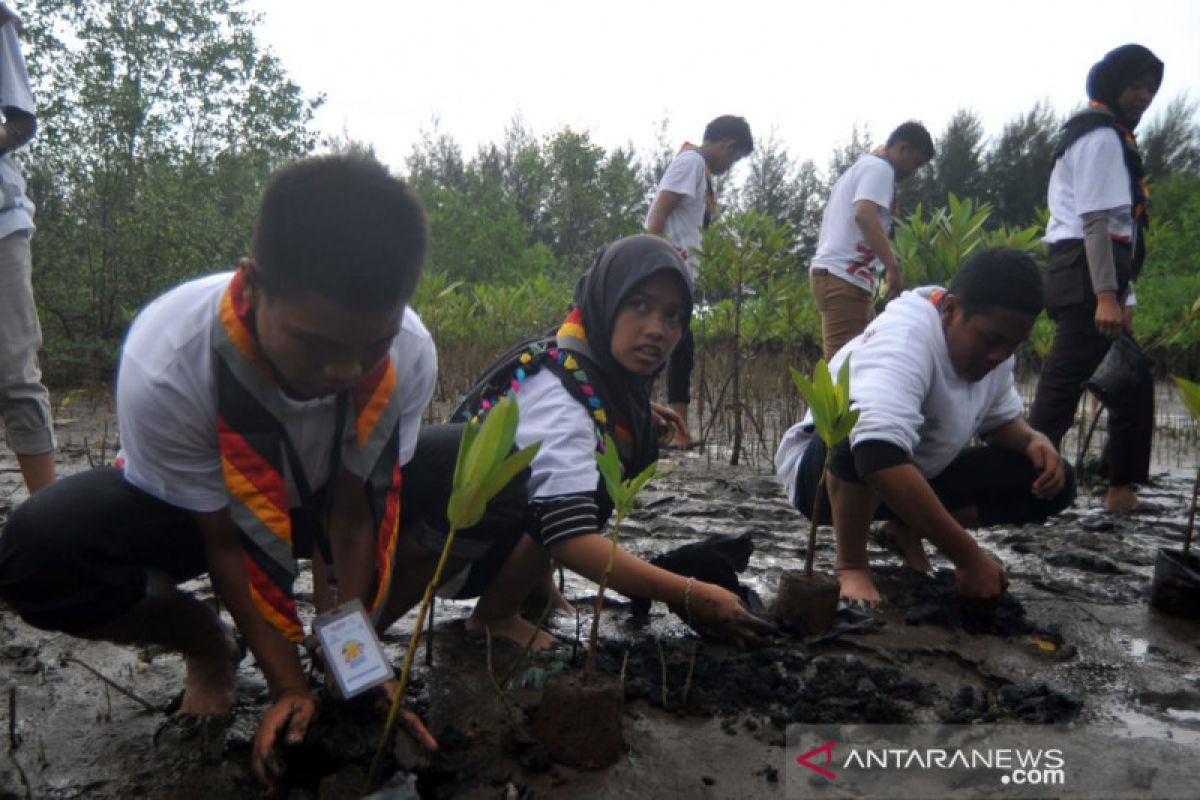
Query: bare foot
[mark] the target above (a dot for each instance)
(209, 688)
(1121, 498)
(907, 545)
(515, 629)
(857, 585)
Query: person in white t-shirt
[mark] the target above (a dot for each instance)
(853, 250)
(929, 374)
(683, 208)
(265, 416)
(1096, 236)
(590, 379)
(24, 401)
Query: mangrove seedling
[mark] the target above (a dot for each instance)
(623, 493)
(1191, 399)
(833, 419)
(485, 465)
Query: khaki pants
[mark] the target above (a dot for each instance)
(845, 309)
(24, 401)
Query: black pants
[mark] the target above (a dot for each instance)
(679, 369)
(80, 552)
(1078, 349)
(996, 482)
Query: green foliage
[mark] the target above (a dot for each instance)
(486, 464)
(1191, 395)
(623, 492)
(833, 419)
(1170, 281)
(159, 122)
(828, 402)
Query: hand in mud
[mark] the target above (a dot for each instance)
(294, 711)
(981, 581)
(667, 422)
(720, 614)
(1051, 475)
(411, 721)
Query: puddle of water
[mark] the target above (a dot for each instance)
(1143, 726)
(1139, 648)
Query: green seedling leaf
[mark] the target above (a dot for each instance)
(1191, 395)
(486, 464)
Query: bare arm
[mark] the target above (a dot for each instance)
(292, 704)
(664, 204)
(1017, 435)
(866, 216)
(904, 489)
(710, 606)
(18, 129)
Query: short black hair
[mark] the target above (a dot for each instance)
(999, 277)
(915, 135)
(342, 227)
(731, 127)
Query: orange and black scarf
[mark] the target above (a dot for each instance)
(254, 448)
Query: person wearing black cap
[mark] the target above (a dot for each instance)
(1099, 211)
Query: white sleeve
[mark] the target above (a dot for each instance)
(890, 375)
(169, 436)
(566, 461)
(876, 182)
(14, 79)
(1101, 181)
(417, 382)
(1006, 402)
(685, 176)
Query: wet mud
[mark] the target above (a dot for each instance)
(1074, 640)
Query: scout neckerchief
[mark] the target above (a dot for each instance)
(567, 355)
(1098, 115)
(710, 197)
(254, 446)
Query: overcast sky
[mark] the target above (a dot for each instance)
(808, 71)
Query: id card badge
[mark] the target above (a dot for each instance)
(351, 649)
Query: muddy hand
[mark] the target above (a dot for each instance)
(292, 713)
(411, 721)
(1051, 476)
(982, 580)
(721, 614)
(667, 421)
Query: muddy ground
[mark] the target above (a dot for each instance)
(1075, 641)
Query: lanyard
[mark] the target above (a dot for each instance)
(318, 524)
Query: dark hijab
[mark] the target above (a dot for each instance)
(599, 294)
(1106, 80)
(587, 334)
(1110, 75)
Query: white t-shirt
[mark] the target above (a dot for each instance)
(16, 210)
(908, 393)
(1090, 176)
(686, 175)
(566, 462)
(841, 248)
(167, 401)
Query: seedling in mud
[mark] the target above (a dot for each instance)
(1191, 399)
(485, 465)
(623, 493)
(833, 419)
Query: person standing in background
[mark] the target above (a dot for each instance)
(853, 249)
(682, 209)
(24, 401)
(1099, 212)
